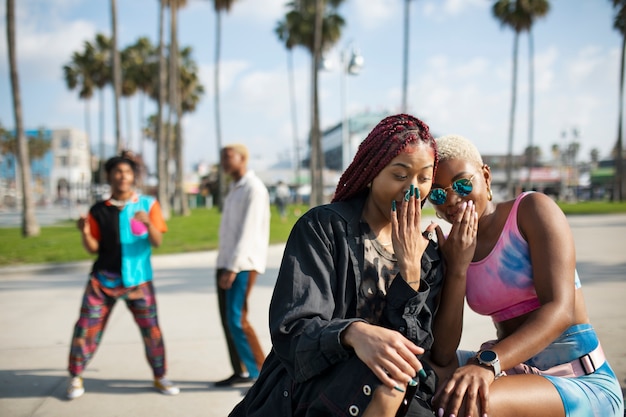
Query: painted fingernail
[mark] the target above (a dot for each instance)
(412, 189)
(440, 412)
(407, 195)
(412, 382)
(397, 388)
(422, 373)
(417, 193)
(393, 205)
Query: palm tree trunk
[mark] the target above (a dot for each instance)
(142, 125)
(175, 104)
(173, 97)
(129, 125)
(160, 135)
(294, 122)
(531, 105)
(221, 183)
(317, 154)
(620, 184)
(509, 161)
(101, 175)
(30, 227)
(117, 78)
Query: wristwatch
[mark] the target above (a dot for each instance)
(490, 358)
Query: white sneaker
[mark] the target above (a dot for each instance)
(165, 386)
(75, 388)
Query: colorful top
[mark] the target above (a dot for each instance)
(501, 285)
(124, 249)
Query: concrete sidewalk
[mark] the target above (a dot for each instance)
(39, 306)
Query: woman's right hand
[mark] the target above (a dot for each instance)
(465, 392)
(390, 355)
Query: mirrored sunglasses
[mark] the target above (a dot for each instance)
(462, 187)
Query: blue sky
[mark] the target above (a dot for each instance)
(459, 79)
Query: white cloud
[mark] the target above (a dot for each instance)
(252, 10)
(584, 64)
(371, 14)
(455, 7)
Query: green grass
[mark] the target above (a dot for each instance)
(62, 243)
(593, 207)
(197, 232)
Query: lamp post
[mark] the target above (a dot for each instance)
(351, 64)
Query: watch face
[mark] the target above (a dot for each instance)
(488, 356)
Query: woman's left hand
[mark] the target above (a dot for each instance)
(459, 246)
(391, 356)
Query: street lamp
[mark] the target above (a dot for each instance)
(351, 64)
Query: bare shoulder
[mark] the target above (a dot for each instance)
(538, 213)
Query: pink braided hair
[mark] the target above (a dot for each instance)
(386, 141)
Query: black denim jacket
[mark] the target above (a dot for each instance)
(314, 300)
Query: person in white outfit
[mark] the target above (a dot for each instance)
(242, 255)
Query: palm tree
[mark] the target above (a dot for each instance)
(160, 133)
(619, 23)
(140, 73)
(283, 35)
(219, 6)
(78, 76)
(518, 15)
(180, 201)
(130, 64)
(536, 9)
(188, 91)
(101, 74)
(117, 75)
(316, 26)
(30, 227)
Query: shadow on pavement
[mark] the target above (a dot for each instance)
(36, 383)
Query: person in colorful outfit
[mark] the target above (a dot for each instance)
(356, 301)
(243, 243)
(547, 359)
(121, 231)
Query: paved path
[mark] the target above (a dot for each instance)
(39, 305)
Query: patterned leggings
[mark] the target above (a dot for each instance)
(98, 301)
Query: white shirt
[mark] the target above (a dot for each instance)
(245, 226)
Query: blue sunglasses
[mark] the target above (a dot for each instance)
(462, 187)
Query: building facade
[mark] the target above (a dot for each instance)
(61, 168)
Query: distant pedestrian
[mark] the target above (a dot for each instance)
(281, 199)
(243, 244)
(121, 231)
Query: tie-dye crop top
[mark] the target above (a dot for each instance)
(501, 285)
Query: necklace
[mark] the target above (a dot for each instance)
(119, 203)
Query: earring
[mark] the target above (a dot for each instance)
(489, 194)
(438, 215)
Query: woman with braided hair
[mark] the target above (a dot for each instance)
(354, 305)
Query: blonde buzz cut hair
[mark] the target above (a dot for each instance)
(240, 148)
(458, 147)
